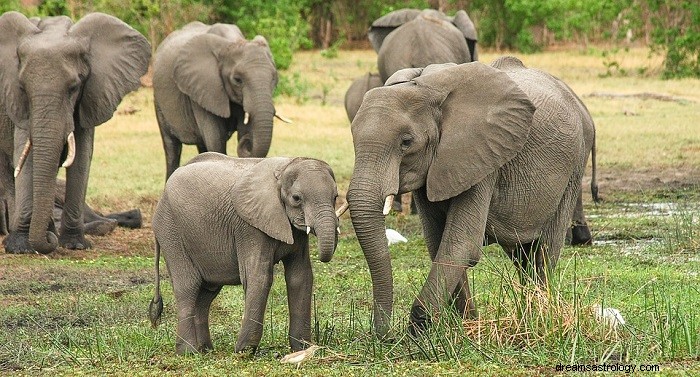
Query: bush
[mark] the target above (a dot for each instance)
(677, 35)
(280, 22)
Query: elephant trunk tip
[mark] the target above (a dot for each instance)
(46, 246)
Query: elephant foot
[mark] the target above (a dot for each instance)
(17, 243)
(100, 228)
(581, 235)
(74, 241)
(128, 219)
(185, 348)
(419, 322)
(249, 349)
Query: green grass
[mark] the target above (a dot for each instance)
(85, 313)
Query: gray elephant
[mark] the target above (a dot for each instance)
(357, 90)
(409, 38)
(504, 166)
(59, 80)
(227, 221)
(94, 222)
(209, 82)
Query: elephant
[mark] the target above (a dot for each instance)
(410, 38)
(226, 221)
(94, 222)
(504, 166)
(209, 82)
(59, 81)
(357, 90)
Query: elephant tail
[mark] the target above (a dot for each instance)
(594, 180)
(155, 309)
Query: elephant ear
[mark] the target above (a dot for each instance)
(118, 57)
(14, 27)
(485, 120)
(381, 27)
(462, 21)
(256, 199)
(408, 74)
(197, 73)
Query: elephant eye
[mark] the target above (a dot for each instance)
(237, 80)
(296, 199)
(406, 142)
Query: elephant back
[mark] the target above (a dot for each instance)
(425, 40)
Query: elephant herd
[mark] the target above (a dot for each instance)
(491, 153)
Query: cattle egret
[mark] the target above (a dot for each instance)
(393, 237)
(610, 316)
(299, 356)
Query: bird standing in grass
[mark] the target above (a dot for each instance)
(299, 356)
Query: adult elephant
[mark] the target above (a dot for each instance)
(505, 165)
(409, 38)
(59, 80)
(357, 90)
(209, 82)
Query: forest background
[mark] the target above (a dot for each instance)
(669, 27)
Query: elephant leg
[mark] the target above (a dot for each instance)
(171, 145)
(17, 242)
(523, 257)
(186, 297)
(255, 265)
(459, 248)
(127, 219)
(299, 279)
(96, 225)
(433, 219)
(72, 229)
(579, 233)
(553, 234)
(212, 128)
(206, 295)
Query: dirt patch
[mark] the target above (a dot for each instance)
(613, 181)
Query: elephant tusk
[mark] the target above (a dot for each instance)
(71, 151)
(308, 229)
(342, 209)
(284, 119)
(23, 157)
(387, 204)
(338, 229)
(246, 117)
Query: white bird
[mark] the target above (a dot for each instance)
(299, 356)
(393, 237)
(611, 316)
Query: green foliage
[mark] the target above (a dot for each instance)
(8, 5)
(294, 86)
(677, 35)
(279, 21)
(155, 19)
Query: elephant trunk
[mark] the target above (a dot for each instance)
(366, 204)
(257, 142)
(48, 142)
(325, 228)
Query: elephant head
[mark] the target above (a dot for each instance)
(384, 25)
(58, 78)
(441, 129)
(239, 77)
(278, 194)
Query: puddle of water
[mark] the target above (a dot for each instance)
(646, 210)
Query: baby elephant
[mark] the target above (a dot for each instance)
(227, 221)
